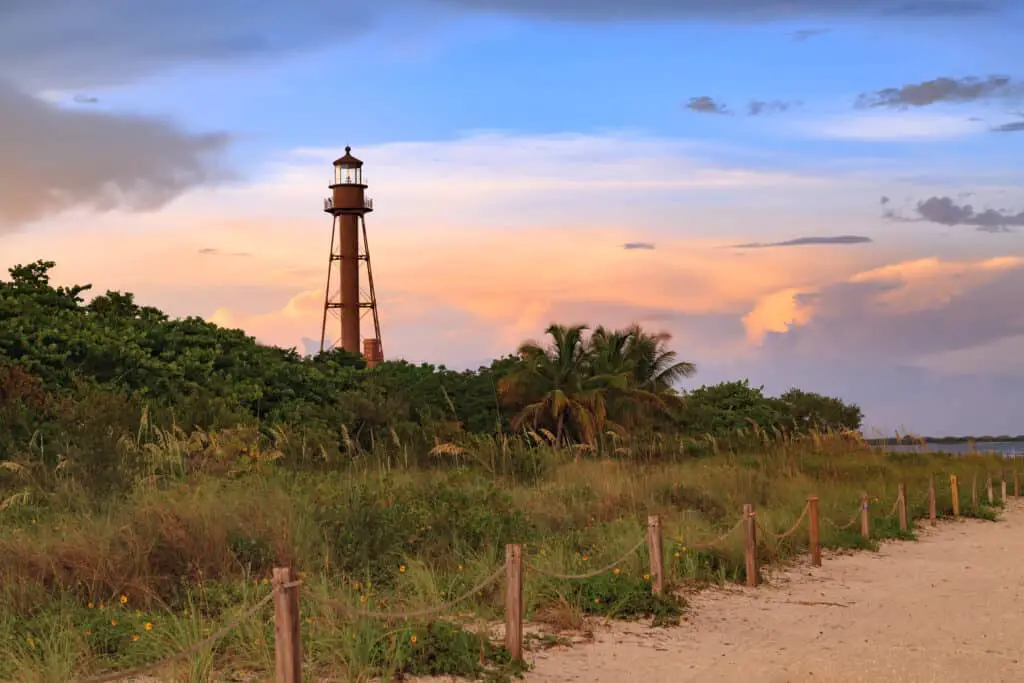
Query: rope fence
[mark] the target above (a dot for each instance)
(285, 585)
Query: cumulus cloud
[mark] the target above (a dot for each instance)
(706, 105)
(54, 160)
(905, 311)
(808, 241)
(945, 211)
(949, 90)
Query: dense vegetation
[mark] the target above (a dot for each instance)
(76, 378)
(153, 471)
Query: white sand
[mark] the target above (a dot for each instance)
(949, 607)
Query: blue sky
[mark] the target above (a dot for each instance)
(501, 139)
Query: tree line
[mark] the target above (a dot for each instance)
(74, 374)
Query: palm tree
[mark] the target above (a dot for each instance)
(558, 389)
(656, 368)
(635, 354)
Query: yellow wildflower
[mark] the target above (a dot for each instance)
(401, 569)
(90, 605)
(149, 626)
(647, 577)
(31, 643)
(135, 638)
(113, 622)
(677, 553)
(617, 571)
(597, 601)
(584, 558)
(124, 599)
(412, 639)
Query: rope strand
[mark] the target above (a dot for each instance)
(588, 575)
(428, 611)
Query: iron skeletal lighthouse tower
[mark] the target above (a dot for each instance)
(344, 298)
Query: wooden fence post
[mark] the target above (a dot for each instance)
(750, 526)
(514, 600)
(931, 499)
(1003, 486)
(287, 638)
(956, 496)
(974, 491)
(654, 546)
(991, 495)
(901, 505)
(1016, 484)
(865, 519)
(814, 530)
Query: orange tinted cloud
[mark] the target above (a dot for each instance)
(485, 240)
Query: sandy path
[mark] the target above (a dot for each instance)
(948, 607)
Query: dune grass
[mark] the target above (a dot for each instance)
(89, 586)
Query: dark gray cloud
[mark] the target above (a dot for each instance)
(943, 89)
(706, 105)
(806, 34)
(1012, 126)
(638, 245)
(68, 43)
(807, 241)
(945, 211)
(732, 10)
(213, 251)
(71, 43)
(924, 9)
(758, 107)
(53, 160)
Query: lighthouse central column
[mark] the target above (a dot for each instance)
(348, 241)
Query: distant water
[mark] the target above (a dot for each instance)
(1009, 449)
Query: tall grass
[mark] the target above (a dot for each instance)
(91, 585)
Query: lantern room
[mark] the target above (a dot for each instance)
(348, 170)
